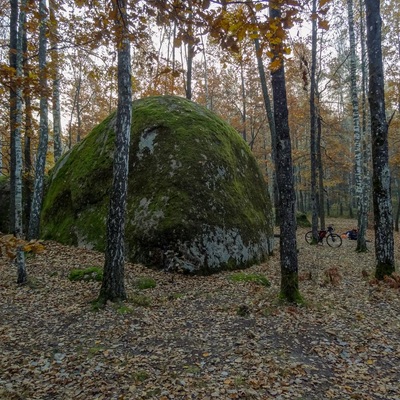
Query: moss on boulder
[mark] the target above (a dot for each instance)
(197, 199)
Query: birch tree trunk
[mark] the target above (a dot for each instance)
(113, 287)
(284, 169)
(34, 223)
(313, 127)
(28, 171)
(383, 217)
(244, 104)
(190, 55)
(321, 189)
(207, 94)
(271, 123)
(13, 105)
(56, 82)
(358, 155)
(20, 256)
(366, 148)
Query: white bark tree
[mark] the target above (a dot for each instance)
(34, 223)
(358, 140)
(20, 256)
(384, 241)
(284, 169)
(56, 81)
(113, 287)
(313, 122)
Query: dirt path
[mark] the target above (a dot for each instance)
(201, 337)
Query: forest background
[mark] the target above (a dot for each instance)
(204, 51)
(170, 55)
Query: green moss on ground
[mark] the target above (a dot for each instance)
(87, 274)
(255, 278)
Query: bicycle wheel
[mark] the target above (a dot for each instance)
(309, 237)
(334, 240)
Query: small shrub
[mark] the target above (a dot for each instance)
(256, 278)
(87, 274)
(243, 310)
(140, 300)
(140, 376)
(124, 309)
(302, 220)
(145, 282)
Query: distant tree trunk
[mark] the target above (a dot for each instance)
(321, 189)
(20, 257)
(34, 223)
(190, 56)
(384, 242)
(361, 242)
(313, 127)
(271, 123)
(13, 105)
(208, 100)
(397, 217)
(56, 82)
(71, 118)
(28, 172)
(366, 148)
(244, 106)
(113, 287)
(288, 244)
(1, 155)
(78, 107)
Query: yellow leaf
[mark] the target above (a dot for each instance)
(323, 2)
(323, 24)
(370, 362)
(275, 65)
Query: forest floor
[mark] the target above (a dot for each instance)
(202, 337)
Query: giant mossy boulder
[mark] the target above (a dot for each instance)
(196, 196)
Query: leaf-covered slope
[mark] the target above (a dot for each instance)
(196, 195)
(188, 338)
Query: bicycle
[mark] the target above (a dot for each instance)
(333, 239)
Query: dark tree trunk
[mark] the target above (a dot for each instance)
(271, 123)
(190, 56)
(20, 255)
(13, 106)
(313, 128)
(56, 82)
(397, 218)
(321, 190)
(244, 106)
(113, 287)
(287, 202)
(34, 223)
(28, 172)
(383, 218)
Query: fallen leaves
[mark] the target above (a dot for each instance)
(186, 339)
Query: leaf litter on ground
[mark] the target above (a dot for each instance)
(195, 337)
